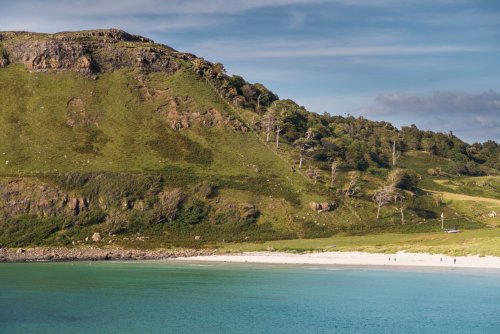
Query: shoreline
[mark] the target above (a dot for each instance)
(399, 259)
(333, 258)
(64, 254)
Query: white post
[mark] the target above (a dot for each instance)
(442, 220)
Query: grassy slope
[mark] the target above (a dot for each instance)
(481, 200)
(35, 139)
(482, 242)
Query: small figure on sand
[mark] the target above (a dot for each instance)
(389, 259)
(441, 259)
(394, 259)
(454, 261)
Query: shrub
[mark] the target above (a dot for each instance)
(193, 212)
(404, 178)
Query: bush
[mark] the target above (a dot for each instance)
(404, 178)
(29, 230)
(193, 212)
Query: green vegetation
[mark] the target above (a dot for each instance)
(480, 242)
(189, 156)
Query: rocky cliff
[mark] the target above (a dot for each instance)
(88, 52)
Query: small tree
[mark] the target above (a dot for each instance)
(268, 123)
(383, 196)
(334, 172)
(400, 197)
(305, 145)
(278, 130)
(351, 188)
(313, 173)
(395, 155)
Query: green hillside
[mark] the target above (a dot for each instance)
(102, 131)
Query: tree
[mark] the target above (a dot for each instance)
(383, 196)
(268, 123)
(351, 188)
(264, 97)
(334, 172)
(302, 144)
(398, 196)
(395, 156)
(278, 130)
(305, 145)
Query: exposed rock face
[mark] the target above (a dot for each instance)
(178, 112)
(88, 52)
(22, 197)
(52, 55)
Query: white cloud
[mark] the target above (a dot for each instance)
(471, 115)
(158, 7)
(487, 102)
(322, 48)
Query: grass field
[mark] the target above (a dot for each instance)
(482, 186)
(480, 242)
(482, 209)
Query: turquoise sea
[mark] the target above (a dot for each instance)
(172, 297)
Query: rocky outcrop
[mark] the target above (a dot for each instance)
(77, 114)
(20, 196)
(325, 206)
(248, 211)
(178, 112)
(88, 52)
(25, 196)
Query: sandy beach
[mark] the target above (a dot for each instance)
(355, 258)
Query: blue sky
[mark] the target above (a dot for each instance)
(433, 63)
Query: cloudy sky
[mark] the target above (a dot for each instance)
(433, 63)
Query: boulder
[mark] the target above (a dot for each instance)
(315, 206)
(96, 237)
(492, 214)
(3, 62)
(324, 206)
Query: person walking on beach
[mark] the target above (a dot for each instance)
(454, 261)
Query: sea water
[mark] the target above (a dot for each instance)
(173, 297)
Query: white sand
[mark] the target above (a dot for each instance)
(355, 258)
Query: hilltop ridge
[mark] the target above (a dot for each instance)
(87, 52)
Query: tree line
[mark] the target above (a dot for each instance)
(347, 142)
